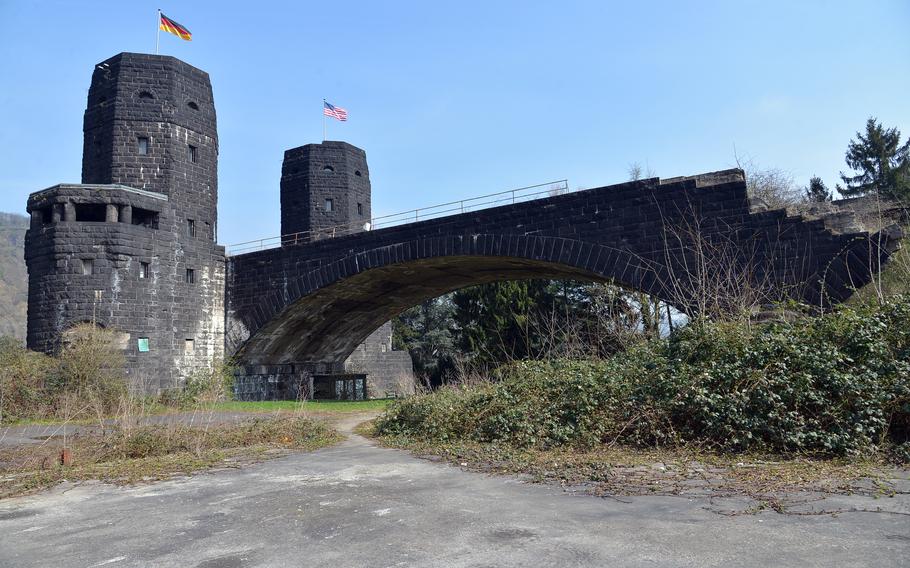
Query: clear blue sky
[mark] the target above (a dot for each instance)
(475, 97)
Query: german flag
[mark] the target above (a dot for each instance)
(173, 27)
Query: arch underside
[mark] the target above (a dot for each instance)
(328, 324)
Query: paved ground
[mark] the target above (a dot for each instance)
(359, 505)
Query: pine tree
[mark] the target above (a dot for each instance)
(883, 164)
(497, 321)
(427, 332)
(817, 191)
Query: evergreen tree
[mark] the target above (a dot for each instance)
(817, 191)
(497, 321)
(883, 164)
(427, 331)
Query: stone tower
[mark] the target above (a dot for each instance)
(133, 247)
(325, 189)
(325, 193)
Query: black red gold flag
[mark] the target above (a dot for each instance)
(173, 27)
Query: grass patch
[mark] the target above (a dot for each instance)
(149, 452)
(321, 406)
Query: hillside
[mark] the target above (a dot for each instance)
(13, 277)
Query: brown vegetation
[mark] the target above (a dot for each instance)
(124, 453)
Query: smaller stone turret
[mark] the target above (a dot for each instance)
(325, 188)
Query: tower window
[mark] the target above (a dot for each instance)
(144, 270)
(189, 345)
(192, 105)
(191, 153)
(357, 173)
(146, 95)
(143, 145)
(190, 276)
(328, 169)
(329, 205)
(85, 266)
(360, 208)
(191, 227)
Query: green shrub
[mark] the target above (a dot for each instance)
(837, 384)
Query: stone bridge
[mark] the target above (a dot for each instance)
(690, 241)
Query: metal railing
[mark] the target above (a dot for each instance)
(508, 197)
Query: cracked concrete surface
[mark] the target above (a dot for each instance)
(356, 504)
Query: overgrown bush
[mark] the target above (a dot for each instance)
(85, 379)
(91, 370)
(203, 386)
(835, 385)
(23, 381)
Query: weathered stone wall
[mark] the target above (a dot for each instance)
(149, 195)
(389, 373)
(273, 382)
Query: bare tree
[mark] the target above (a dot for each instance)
(774, 186)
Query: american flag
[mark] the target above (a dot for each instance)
(329, 109)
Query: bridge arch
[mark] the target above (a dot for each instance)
(314, 302)
(323, 314)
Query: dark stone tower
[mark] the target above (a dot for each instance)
(325, 190)
(133, 247)
(325, 193)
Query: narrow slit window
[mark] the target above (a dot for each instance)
(143, 145)
(329, 205)
(190, 276)
(191, 227)
(192, 154)
(360, 208)
(144, 270)
(86, 266)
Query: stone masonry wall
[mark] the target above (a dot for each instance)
(389, 373)
(314, 173)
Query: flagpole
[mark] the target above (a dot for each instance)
(323, 120)
(158, 31)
